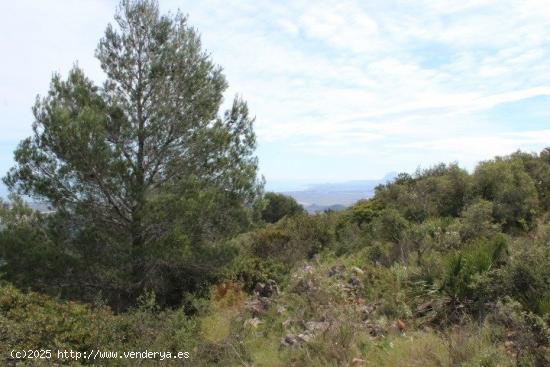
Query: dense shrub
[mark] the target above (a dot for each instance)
(538, 167)
(512, 191)
(477, 220)
(277, 206)
(362, 212)
(32, 255)
(526, 278)
(390, 225)
(251, 270)
(461, 269)
(294, 239)
(530, 335)
(439, 191)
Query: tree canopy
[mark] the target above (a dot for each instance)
(146, 158)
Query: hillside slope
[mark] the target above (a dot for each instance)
(443, 268)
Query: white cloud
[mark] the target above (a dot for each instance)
(341, 24)
(343, 78)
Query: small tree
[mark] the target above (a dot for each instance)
(144, 154)
(278, 205)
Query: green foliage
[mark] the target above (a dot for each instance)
(271, 242)
(390, 225)
(505, 183)
(32, 320)
(526, 279)
(434, 234)
(249, 271)
(277, 206)
(531, 333)
(31, 258)
(477, 220)
(438, 191)
(145, 167)
(363, 212)
(460, 347)
(538, 167)
(293, 239)
(462, 267)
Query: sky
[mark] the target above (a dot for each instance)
(341, 90)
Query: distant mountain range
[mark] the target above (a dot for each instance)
(315, 197)
(338, 195)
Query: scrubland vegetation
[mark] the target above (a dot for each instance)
(441, 268)
(161, 238)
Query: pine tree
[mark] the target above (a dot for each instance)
(147, 157)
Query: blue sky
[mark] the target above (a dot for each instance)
(341, 90)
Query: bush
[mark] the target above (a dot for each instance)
(31, 320)
(390, 225)
(529, 335)
(362, 212)
(438, 191)
(271, 242)
(32, 256)
(294, 238)
(477, 220)
(277, 206)
(463, 268)
(249, 271)
(434, 234)
(526, 279)
(34, 321)
(505, 182)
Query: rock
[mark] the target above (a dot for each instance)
(305, 285)
(424, 308)
(305, 337)
(253, 307)
(337, 270)
(355, 282)
(373, 329)
(308, 269)
(356, 362)
(287, 323)
(253, 322)
(289, 341)
(272, 287)
(366, 310)
(267, 290)
(258, 306)
(258, 288)
(313, 326)
(357, 270)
